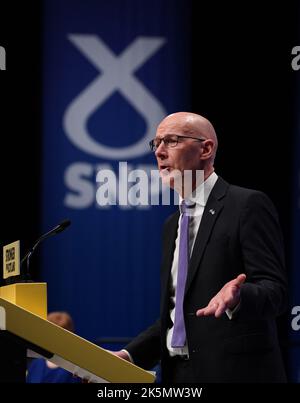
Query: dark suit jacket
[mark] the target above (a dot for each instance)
(243, 236)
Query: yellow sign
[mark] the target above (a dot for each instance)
(11, 259)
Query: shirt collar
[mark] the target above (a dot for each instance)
(201, 193)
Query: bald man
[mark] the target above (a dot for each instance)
(235, 284)
(41, 370)
(62, 319)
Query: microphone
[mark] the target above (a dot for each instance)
(56, 230)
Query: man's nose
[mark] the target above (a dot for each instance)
(161, 151)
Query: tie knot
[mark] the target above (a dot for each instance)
(185, 206)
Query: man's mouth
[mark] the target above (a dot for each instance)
(165, 169)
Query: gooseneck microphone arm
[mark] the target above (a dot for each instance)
(56, 230)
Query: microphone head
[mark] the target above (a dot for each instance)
(62, 226)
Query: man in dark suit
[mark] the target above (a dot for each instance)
(235, 284)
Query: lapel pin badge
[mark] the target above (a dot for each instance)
(212, 211)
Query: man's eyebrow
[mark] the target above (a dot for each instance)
(168, 134)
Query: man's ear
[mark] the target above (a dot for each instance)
(207, 149)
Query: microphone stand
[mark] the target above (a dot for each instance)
(56, 230)
(27, 258)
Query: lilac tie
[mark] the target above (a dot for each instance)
(179, 335)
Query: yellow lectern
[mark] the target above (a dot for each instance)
(65, 348)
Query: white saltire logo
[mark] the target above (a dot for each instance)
(116, 73)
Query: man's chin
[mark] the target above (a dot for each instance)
(165, 176)
(170, 178)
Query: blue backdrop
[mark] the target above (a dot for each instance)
(112, 70)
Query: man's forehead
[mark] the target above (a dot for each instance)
(176, 130)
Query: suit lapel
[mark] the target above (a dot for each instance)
(168, 250)
(211, 213)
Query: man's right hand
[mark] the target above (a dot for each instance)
(121, 354)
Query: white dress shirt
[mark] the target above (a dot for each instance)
(199, 198)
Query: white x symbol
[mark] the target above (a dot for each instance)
(116, 74)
